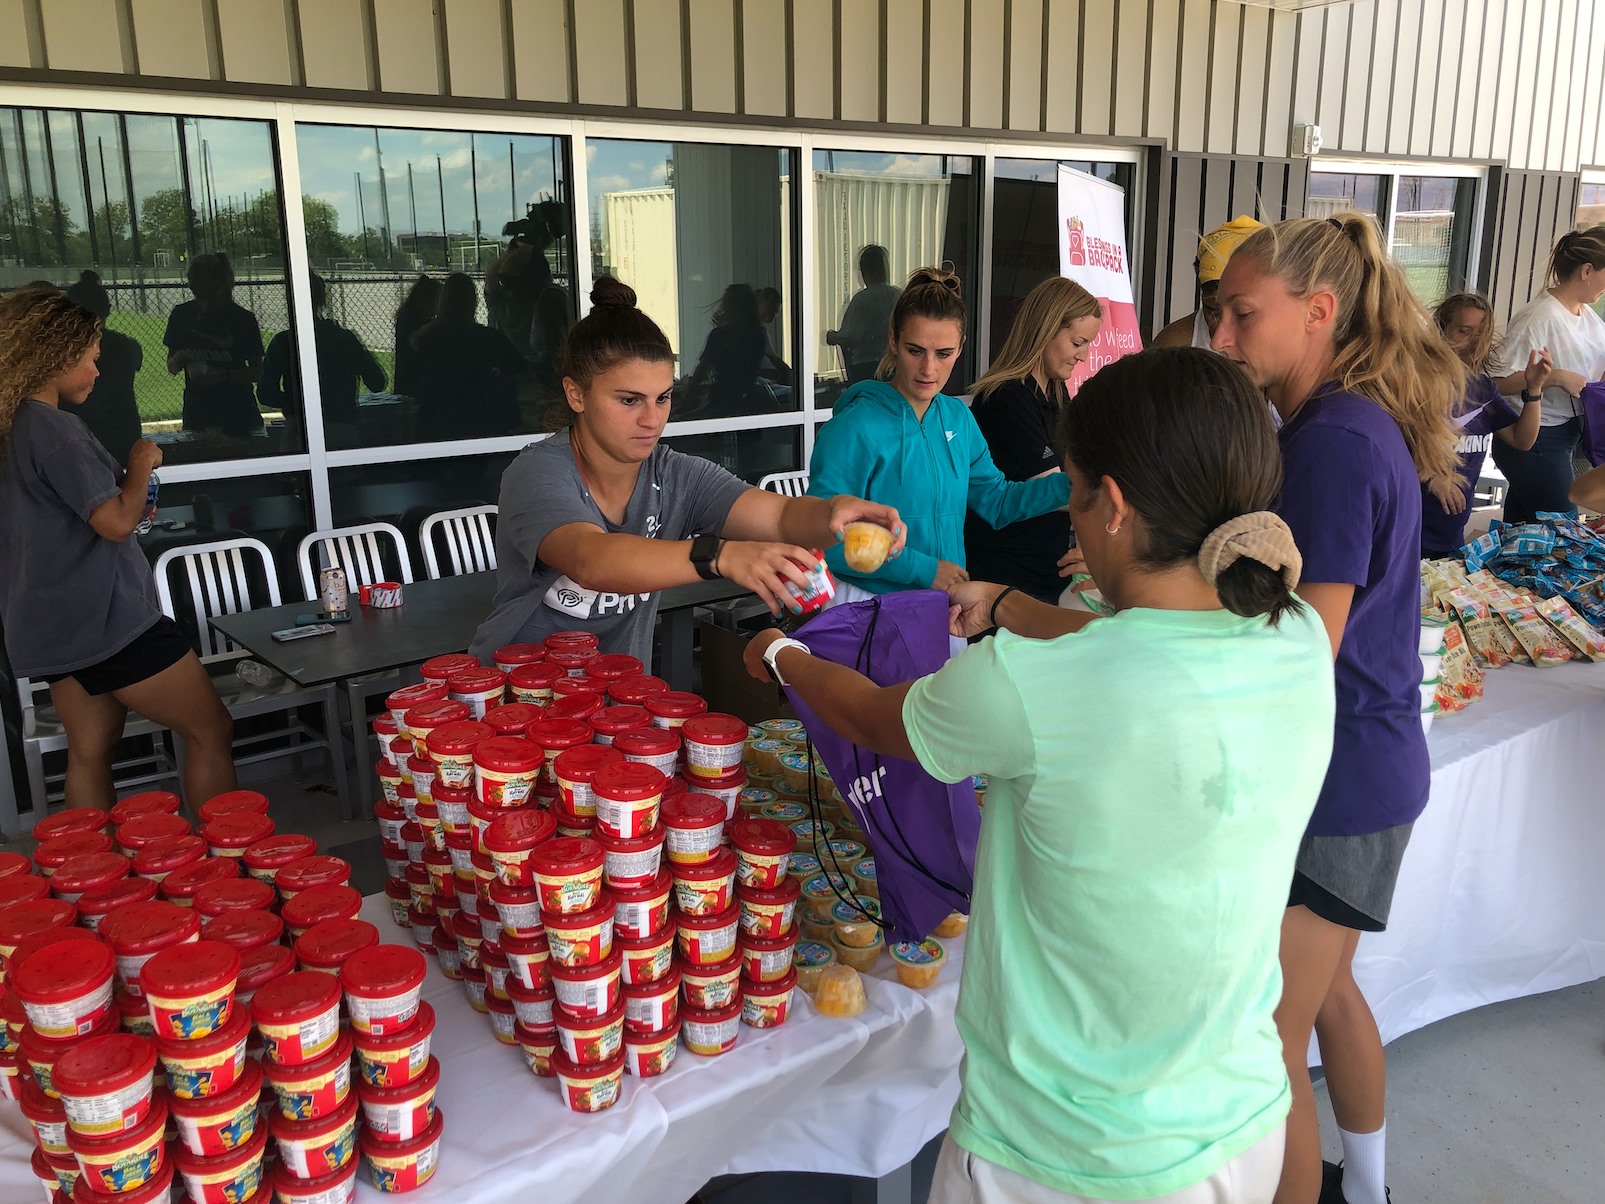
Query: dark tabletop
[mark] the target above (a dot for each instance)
(435, 617)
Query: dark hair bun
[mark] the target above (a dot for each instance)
(948, 280)
(607, 291)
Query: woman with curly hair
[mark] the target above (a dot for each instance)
(77, 599)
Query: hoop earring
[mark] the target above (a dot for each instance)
(1112, 530)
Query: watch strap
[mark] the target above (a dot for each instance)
(773, 651)
(704, 551)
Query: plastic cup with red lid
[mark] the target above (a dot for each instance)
(320, 903)
(575, 770)
(180, 885)
(315, 1150)
(382, 986)
(555, 735)
(654, 746)
(244, 929)
(57, 851)
(695, 827)
(231, 802)
(122, 1162)
(479, 689)
(634, 691)
(612, 721)
(506, 769)
(97, 903)
(105, 1083)
(319, 869)
(588, 1040)
(714, 743)
(151, 828)
(224, 1120)
(14, 865)
(404, 1165)
(628, 795)
(672, 708)
(190, 988)
(705, 887)
(511, 656)
(533, 683)
(396, 1058)
(157, 861)
(298, 1015)
(441, 668)
(65, 987)
(230, 835)
(209, 1065)
(308, 1090)
(139, 930)
(631, 862)
(232, 894)
(47, 1118)
(73, 819)
(400, 1112)
(266, 857)
(399, 702)
(22, 888)
(451, 746)
(79, 874)
(328, 945)
(138, 804)
(22, 919)
(568, 874)
(227, 1178)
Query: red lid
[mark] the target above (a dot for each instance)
(536, 676)
(677, 704)
(307, 872)
(14, 865)
(383, 970)
(511, 718)
(231, 801)
(384, 724)
(467, 927)
(153, 827)
(20, 888)
(554, 734)
(615, 666)
(608, 967)
(272, 852)
(92, 869)
(423, 1024)
(569, 658)
(715, 728)
(571, 637)
(590, 918)
(581, 763)
(41, 1108)
(336, 1185)
(676, 787)
(577, 683)
(318, 1066)
(35, 941)
(157, 1188)
(629, 781)
(320, 903)
(139, 804)
(456, 739)
(721, 863)
(633, 691)
(788, 891)
(59, 849)
(185, 971)
(245, 929)
(237, 830)
(329, 944)
(373, 1146)
(169, 855)
(36, 915)
(62, 971)
(233, 894)
(247, 1087)
(647, 742)
(415, 695)
(102, 900)
(396, 889)
(427, 1080)
(478, 680)
(262, 965)
(73, 819)
(689, 811)
(441, 668)
(147, 927)
(236, 1159)
(731, 915)
(436, 714)
(581, 706)
(670, 982)
(762, 837)
(519, 654)
(105, 1149)
(567, 856)
(102, 1065)
(660, 885)
(292, 998)
(615, 719)
(509, 754)
(523, 828)
(183, 882)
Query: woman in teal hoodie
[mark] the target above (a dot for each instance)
(905, 443)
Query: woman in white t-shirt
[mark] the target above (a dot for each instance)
(1560, 321)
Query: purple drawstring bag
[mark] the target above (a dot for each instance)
(922, 832)
(1592, 403)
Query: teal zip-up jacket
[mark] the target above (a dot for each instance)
(932, 471)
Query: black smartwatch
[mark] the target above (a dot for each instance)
(704, 551)
(1528, 398)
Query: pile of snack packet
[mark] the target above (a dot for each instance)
(1555, 557)
(1496, 618)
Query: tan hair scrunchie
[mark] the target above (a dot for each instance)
(1262, 536)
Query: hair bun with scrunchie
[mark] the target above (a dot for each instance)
(608, 291)
(1261, 536)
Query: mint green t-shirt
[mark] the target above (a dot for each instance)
(1151, 776)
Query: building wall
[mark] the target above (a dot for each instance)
(1465, 79)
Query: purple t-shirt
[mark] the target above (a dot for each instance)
(1351, 495)
(1482, 413)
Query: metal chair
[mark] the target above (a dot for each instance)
(43, 732)
(787, 484)
(361, 552)
(217, 579)
(468, 539)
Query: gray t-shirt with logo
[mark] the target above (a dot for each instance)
(68, 598)
(676, 497)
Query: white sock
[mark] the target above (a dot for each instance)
(1364, 1161)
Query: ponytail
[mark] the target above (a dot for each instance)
(933, 293)
(1575, 250)
(1386, 347)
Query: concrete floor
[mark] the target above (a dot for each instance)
(1504, 1105)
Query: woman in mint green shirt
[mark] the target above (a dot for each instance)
(1151, 775)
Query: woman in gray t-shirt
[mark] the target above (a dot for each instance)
(76, 596)
(595, 521)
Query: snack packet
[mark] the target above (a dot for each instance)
(1570, 624)
(1542, 642)
(1481, 628)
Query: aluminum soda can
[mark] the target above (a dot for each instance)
(336, 594)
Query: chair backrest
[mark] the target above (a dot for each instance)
(358, 550)
(470, 543)
(787, 484)
(219, 580)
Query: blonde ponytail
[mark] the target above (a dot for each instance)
(1386, 345)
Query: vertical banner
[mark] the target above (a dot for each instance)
(1092, 252)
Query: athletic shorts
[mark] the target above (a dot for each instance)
(1349, 880)
(158, 647)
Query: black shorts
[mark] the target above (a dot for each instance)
(158, 647)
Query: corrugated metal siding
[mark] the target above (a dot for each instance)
(1398, 77)
(1534, 208)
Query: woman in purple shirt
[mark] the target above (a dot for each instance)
(1322, 320)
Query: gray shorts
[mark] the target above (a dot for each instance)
(1349, 880)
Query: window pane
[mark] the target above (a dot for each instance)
(750, 454)
(919, 210)
(1025, 229)
(1336, 192)
(275, 508)
(444, 272)
(1432, 233)
(1590, 206)
(702, 233)
(179, 218)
